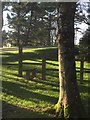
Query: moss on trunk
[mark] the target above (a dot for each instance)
(62, 111)
(66, 111)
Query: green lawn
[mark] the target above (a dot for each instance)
(29, 98)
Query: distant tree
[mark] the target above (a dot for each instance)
(44, 15)
(84, 46)
(83, 13)
(4, 37)
(36, 18)
(49, 17)
(17, 21)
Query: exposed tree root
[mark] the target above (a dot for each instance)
(62, 111)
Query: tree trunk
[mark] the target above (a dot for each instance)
(29, 27)
(49, 31)
(69, 104)
(20, 61)
(81, 70)
(19, 42)
(19, 54)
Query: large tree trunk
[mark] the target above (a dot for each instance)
(69, 103)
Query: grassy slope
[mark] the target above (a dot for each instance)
(25, 98)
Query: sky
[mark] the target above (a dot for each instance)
(78, 35)
(5, 22)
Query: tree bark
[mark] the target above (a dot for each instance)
(81, 70)
(49, 31)
(69, 104)
(19, 54)
(20, 61)
(19, 42)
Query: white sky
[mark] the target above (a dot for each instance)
(83, 28)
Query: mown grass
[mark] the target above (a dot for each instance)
(28, 98)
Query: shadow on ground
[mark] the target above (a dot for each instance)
(12, 111)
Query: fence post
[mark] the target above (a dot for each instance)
(44, 68)
(81, 70)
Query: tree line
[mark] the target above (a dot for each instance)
(38, 24)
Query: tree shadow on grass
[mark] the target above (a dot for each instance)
(85, 91)
(36, 81)
(53, 73)
(26, 92)
(47, 82)
(52, 64)
(49, 54)
(12, 111)
(50, 82)
(14, 57)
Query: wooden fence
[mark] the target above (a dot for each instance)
(82, 70)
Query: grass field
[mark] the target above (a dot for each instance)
(29, 98)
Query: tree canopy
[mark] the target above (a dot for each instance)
(84, 45)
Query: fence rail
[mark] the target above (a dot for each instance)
(82, 70)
